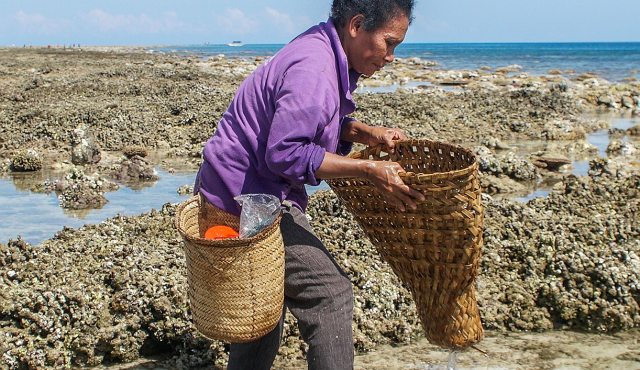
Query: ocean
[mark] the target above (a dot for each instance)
(613, 61)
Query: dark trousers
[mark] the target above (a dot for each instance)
(318, 293)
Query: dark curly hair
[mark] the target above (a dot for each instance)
(376, 12)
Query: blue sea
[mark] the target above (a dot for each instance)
(612, 61)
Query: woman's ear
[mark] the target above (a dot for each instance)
(356, 24)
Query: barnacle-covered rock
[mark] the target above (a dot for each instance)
(5, 164)
(477, 114)
(26, 160)
(193, 150)
(501, 185)
(508, 164)
(81, 197)
(185, 190)
(79, 191)
(133, 170)
(551, 163)
(580, 149)
(563, 130)
(568, 260)
(84, 149)
(622, 148)
(135, 150)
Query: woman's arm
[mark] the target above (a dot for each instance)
(358, 132)
(384, 175)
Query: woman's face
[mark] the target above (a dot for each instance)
(369, 51)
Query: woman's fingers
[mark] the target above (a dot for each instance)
(384, 135)
(392, 188)
(406, 196)
(391, 135)
(399, 135)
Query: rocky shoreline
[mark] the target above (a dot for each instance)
(113, 292)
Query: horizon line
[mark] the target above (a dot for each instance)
(249, 44)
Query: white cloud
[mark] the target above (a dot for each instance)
(281, 20)
(38, 23)
(235, 21)
(106, 22)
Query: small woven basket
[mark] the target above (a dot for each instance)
(435, 249)
(236, 286)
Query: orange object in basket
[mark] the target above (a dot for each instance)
(220, 232)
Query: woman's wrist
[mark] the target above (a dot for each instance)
(334, 166)
(367, 169)
(356, 132)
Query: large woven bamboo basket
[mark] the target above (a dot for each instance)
(435, 249)
(236, 286)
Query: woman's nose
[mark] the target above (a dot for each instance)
(389, 57)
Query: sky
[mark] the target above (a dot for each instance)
(189, 22)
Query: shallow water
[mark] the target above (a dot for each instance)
(600, 139)
(37, 217)
(453, 359)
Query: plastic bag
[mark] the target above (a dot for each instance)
(259, 211)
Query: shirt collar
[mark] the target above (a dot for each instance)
(348, 77)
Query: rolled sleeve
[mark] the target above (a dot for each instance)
(316, 160)
(305, 104)
(344, 147)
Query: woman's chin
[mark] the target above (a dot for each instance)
(370, 73)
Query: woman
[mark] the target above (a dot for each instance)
(286, 127)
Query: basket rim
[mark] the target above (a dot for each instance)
(413, 177)
(219, 243)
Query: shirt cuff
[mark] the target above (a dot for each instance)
(344, 147)
(316, 160)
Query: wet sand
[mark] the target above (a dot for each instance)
(514, 351)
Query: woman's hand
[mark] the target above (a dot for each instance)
(356, 131)
(384, 175)
(384, 135)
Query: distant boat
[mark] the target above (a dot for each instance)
(235, 43)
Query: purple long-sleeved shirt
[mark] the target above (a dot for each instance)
(283, 119)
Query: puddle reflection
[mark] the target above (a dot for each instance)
(37, 216)
(580, 165)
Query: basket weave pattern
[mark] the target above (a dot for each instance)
(236, 286)
(435, 249)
